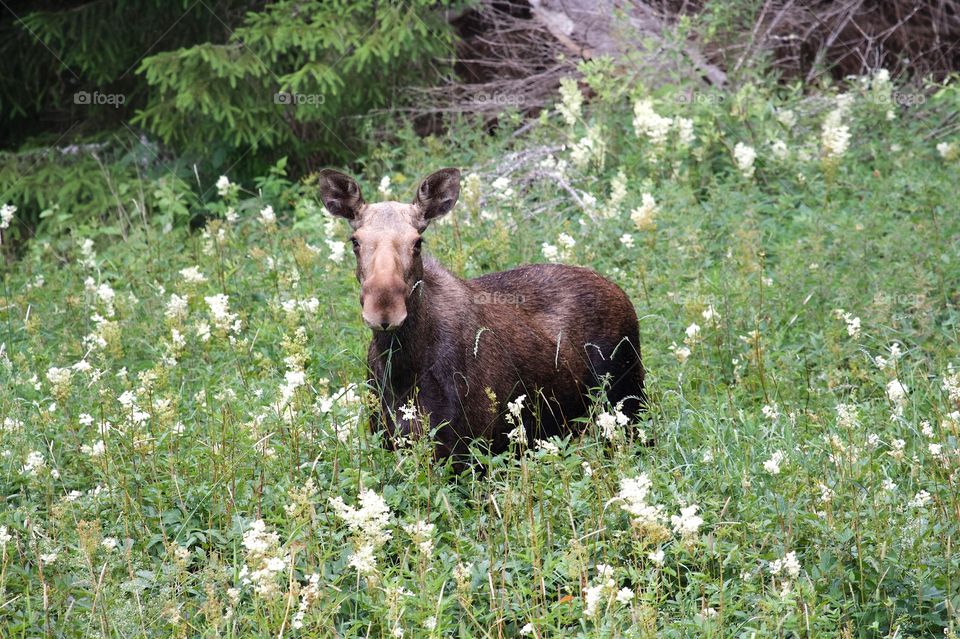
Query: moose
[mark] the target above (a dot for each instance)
(449, 355)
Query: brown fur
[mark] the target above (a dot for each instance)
(547, 331)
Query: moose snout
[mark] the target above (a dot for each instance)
(382, 323)
(384, 305)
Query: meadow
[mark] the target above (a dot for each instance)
(184, 448)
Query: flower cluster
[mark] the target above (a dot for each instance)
(517, 434)
(787, 570)
(368, 525)
(647, 123)
(611, 424)
(421, 533)
(643, 216)
(604, 591)
(835, 135)
(571, 101)
(745, 156)
(633, 499)
(264, 563)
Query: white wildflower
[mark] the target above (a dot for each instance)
(59, 376)
(96, 450)
(219, 306)
(337, 250)
(951, 384)
(687, 523)
(947, 150)
(589, 148)
(711, 314)
(787, 566)
(548, 447)
(515, 407)
(921, 500)
(648, 123)
(263, 564)
(193, 275)
(643, 215)
(633, 499)
(787, 118)
(368, 524)
(267, 216)
(177, 308)
(308, 594)
(897, 393)
(847, 416)
(682, 353)
(779, 149)
(618, 193)
(684, 128)
(744, 156)
(35, 461)
(571, 101)
(89, 256)
(223, 186)
(421, 532)
(501, 188)
(772, 465)
(7, 212)
(607, 423)
(601, 591)
(835, 135)
(384, 188)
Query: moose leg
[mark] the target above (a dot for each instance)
(624, 377)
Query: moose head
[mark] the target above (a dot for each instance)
(387, 239)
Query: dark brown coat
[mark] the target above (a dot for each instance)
(547, 331)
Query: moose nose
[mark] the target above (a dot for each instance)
(384, 323)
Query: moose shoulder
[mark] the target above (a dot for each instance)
(459, 351)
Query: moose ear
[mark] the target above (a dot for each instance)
(437, 194)
(340, 194)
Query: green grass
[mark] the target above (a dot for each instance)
(202, 448)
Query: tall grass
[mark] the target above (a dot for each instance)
(177, 463)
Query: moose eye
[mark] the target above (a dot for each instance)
(356, 245)
(417, 246)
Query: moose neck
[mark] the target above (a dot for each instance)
(433, 309)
